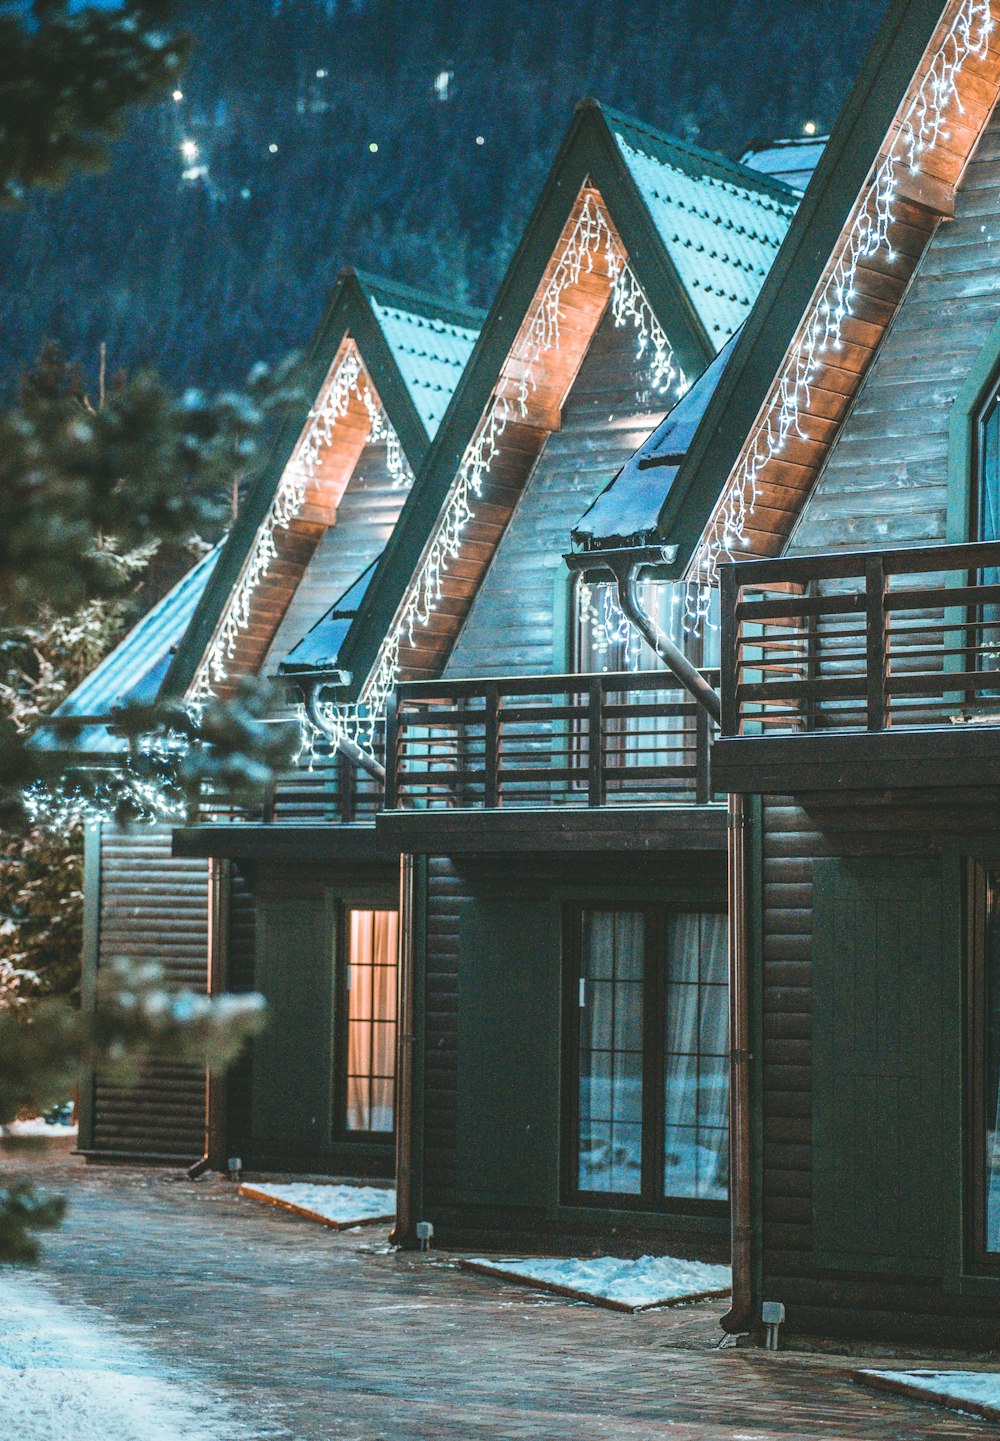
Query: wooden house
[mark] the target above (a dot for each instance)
(564, 863)
(855, 436)
(382, 367)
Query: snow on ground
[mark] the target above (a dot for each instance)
(975, 1391)
(333, 1204)
(629, 1285)
(37, 1126)
(66, 1372)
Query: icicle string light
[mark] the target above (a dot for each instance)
(922, 126)
(349, 380)
(590, 240)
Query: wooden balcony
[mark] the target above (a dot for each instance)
(871, 668)
(580, 742)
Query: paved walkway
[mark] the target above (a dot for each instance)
(310, 1335)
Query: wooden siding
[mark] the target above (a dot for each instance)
(893, 1306)
(886, 479)
(153, 908)
(608, 413)
(787, 479)
(366, 514)
(529, 879)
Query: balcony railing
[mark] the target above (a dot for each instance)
(324, 789)
(586, 741)
(865, 641)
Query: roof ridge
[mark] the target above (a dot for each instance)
(416, 302)
(733, 170)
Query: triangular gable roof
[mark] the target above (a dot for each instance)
(384, 360)
(698, 231)
(800, 359)
(134, 670)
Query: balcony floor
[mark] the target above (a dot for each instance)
(555, 828)
(906, 758)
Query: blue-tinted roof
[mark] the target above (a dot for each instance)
(135, 668)
(792, 161)
(319, 647)
(431, 353)
(721, 222)
(627, 510)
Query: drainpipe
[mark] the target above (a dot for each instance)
(402, 1232)
(739, 1318)
(626, 573)
(344, 744)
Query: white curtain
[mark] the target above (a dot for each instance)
(610, 1060)
(696, 1101)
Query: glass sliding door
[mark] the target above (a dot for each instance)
(648, 1102)
(984, 1080)
(370, 1004)
(610, 1059)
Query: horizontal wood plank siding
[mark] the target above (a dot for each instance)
(607, 415)
(242, 940)
(366, 514)
(154, 907)
(451, 885)
(795, 834)
(885, 481)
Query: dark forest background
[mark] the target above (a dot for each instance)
(202, 264)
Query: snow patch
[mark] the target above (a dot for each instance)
(977, 1392)
(37, 1126)
(334, 1205)
(65, 1371)
(608, 1280)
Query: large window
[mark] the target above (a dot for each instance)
(370, 1006)
(984, 1054)
(603, 640)
(986, 526)
(648, 1102)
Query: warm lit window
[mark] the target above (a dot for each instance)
(649, 1109)
(372, 938)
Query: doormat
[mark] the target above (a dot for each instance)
(976, 1393)
(330, 1205)
(630, 1286)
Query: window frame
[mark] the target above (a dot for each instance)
(341, 1133)
(650, 1198)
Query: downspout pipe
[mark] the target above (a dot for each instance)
(627, 580)
(344, 744)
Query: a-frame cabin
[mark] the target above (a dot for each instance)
(539, 842)
(379, 373)
(855, 435)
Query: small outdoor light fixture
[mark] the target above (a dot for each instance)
(235, 1166)
(772, 1313)
(425, 1234)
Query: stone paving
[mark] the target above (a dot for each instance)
(313, 1335)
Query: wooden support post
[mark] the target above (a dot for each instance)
(595, 745)
(491, 761)
(729, 650)
(877, 661)
(392, 756)
(702, 756)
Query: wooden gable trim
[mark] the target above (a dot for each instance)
(785, 480)
(279, 554)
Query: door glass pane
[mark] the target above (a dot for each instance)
(609, 1143)
(696, 1065)
(371, 1019)
(992, 1059)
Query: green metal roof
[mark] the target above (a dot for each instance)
(413, 346)
(721, 222)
